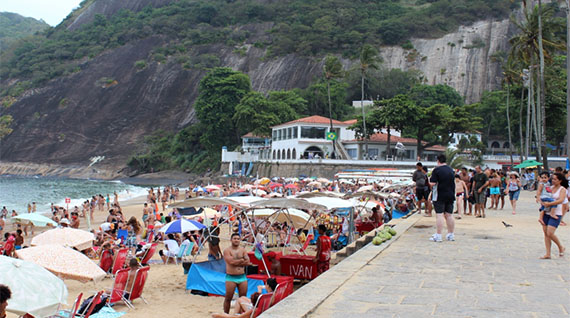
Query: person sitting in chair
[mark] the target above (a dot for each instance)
(171, 248)
(243, 307)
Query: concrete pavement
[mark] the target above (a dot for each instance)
(489, 271)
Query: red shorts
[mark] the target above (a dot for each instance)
(322, 267)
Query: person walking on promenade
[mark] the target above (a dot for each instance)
(514, 189)
(550, 222)
(422, 188)
(479, 187)
(443, 195)
(461, 192)
(323, 256)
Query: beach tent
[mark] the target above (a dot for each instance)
(210, 277)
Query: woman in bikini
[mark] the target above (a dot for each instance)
(550, 223)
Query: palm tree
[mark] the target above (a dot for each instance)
(369, 59)
(453, 158)
(331, 70)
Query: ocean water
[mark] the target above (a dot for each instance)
(16, 192)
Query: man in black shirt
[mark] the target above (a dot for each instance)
(443, 196)
(422, 189)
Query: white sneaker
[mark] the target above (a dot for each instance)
(435, 238)
(450, 237)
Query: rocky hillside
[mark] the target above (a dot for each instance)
(109, 102)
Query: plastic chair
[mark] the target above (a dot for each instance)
(120, 260)
(119, 285)
(106, 261)
(138, 286)
(263, 303)
(149, 253)
(71, 312)
(181, 252)
(280, 293)
(188, 251)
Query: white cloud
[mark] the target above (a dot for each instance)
(52, 12)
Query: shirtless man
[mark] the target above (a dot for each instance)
(146, 212)
(464, 176)
(236, 259)
(495, 187)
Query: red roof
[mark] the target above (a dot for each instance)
(383, 138)
(351, 122)
(251, 135)
(314, 120)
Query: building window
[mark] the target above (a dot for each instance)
(274, 155)
(294, 156)
(274, 135)
(506, 145)
(373, 153)
(295, 129)
(288, 153)
(283, 154)
(313, 132)
(352, 153)
(495, 145)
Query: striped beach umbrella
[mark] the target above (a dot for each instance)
(182, 226)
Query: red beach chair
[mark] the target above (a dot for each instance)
(106, 261)
(138, 285)
(120, 260)
(263, 303)
(94, 303)
(280, 292)
(119, 285)
(150, 236)
(149, 253)
(305, 245)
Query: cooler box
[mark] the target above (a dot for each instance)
(259, 263)
(298, 266)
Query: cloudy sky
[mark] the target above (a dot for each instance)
(51, 11)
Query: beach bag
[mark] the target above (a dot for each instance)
(85, 305)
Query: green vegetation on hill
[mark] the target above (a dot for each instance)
(305, 27)
(14, 26)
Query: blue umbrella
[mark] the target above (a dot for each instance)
(182, 226)
(567, 163)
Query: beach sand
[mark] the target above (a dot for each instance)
(165, 289)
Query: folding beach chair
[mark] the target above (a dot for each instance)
(179, 255)
(188, 251)
(150, 235)
(71, 312)
(120, 260)
(301, 250)
(106, 261)
(138, 286)
(280, 292)
(94, 302)
(149, 253)
(263, 303)
(119, 285)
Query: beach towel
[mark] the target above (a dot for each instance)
(108, 312)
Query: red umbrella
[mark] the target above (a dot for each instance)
(291, 186)
(274, 185)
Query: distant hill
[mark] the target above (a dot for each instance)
(14, 26)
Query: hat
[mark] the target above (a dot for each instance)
(64, 221)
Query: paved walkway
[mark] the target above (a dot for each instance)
(489, 271)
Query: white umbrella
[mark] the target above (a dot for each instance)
(244, 201)
(314, 184)
(212, 187)
(365, 188)
(259, 192)
(35, 290)
(275, 195)
(36, 218)
(298, 217)
(331, 203)
(324, 180)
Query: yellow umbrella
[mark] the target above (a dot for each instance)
(64, 262)
(264, 181)
(75, 238)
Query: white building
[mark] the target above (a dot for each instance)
(307, 138)
(454, 142)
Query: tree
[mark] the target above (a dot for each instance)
(368, 60)
(291, 98)
(397, 113)
(332, 69)
(5, 123)
(257, 114)
(431, 98)
(316, 96)
(221, 90)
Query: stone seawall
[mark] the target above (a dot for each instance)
(309, 168)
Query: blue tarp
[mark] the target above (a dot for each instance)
(210, 277)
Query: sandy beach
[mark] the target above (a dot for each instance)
(164, 290)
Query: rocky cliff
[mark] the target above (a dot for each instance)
(106, 108)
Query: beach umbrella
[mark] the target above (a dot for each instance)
(66, 236)
(365, 188)
(331, 203)
(298, 217)
(346, 182)
(264, 181)
(291, 186)
(274, 185)
(198, 189)
(258, 192)
(207, 213)
(64, 262)
(37, 219)
(314, 184)
(275, 195)
(212, 187)
(182, 226)
(324, 180)
(527, 164)
(35, 290)
(244, 201)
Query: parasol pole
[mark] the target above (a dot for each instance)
(255, 245)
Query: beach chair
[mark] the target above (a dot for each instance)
(280, 293)
(301, 249)
(263, 303)
(188, 251)
(71, 312)
(150, 235)
(179, 255)
(8, 249)
(106, 261)
(120, 260)
(149, 253)
(138, 286)
(119, 285)
(92, 305)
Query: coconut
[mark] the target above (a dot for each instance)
(392, 231)
(377, 241)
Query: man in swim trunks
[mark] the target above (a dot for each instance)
(495, 188)
(236, 259)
